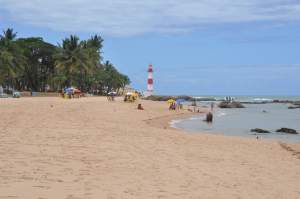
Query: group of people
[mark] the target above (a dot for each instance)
(69, 93)
(175, 106)
(131, 96)
(111, 96)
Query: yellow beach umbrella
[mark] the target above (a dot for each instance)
(135, 95)
(171, 101)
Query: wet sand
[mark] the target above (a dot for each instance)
(91, 148)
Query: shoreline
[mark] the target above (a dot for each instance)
(163, 122)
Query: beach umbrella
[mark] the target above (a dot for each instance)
(69, 90)
(77, 90)
(112, 93)
(171, 101)
(135, 95)
(180, 101)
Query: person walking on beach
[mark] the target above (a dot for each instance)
(212, 106)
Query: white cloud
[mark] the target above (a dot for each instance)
(130, 17)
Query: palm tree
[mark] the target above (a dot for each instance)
(72, 60)
(11, 58)
(8, 35)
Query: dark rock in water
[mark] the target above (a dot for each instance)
(293, 107)
(296, 103)
(287, 130)
(256, 102)
(231, 105)
(166, 97)
(204, 99)
(257, 130)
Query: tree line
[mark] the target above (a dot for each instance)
(31, 64)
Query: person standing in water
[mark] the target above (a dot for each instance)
(212, 106)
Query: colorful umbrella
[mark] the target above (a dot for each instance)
(180, 101)
(171, 101)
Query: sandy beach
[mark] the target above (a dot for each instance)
(91, 148)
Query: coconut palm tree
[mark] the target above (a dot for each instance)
(72, 60)
(11, 58)
(31, 63)
(9, 34)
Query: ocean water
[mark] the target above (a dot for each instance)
(239, 122)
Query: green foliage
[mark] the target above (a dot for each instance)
(11, 58)
(32, 64)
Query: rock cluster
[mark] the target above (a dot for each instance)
(295, 106)
(233, 104)
(287, 130)
(282, 130)
(166, 98)
(257, 130)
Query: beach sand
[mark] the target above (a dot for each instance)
(91, 148)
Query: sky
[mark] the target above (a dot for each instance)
(196, 47)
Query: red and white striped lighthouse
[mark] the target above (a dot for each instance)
(150, 80)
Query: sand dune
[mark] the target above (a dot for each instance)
(90, 148)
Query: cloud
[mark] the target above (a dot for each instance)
(131, 17)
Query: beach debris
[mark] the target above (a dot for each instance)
(287, 130)
(258, 130)
(234, 104)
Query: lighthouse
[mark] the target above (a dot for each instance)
(149, 82)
